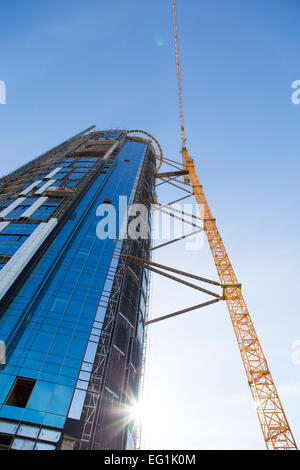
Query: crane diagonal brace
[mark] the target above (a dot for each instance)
(168, 174)
(176, 185)
(180, 312)
(180, 199)
(148, 264)
(158, 206)
(195, 232)
(173, 178)
(180, 218)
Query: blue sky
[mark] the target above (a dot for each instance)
(68, 65)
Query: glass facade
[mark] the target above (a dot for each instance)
(72, 308)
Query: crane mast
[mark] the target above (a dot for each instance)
(178, 69)
(184, 152)
(275, 428)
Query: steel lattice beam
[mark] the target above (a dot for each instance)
(276, 430)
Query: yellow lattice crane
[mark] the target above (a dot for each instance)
(276, 430)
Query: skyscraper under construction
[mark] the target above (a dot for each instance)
(72, 306)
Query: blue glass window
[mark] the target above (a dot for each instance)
(26, 229)
(77, 175)
(71, 184)
(5, 203)
(142, 303)
(62, 174)
(144, 283)
(45, 211)
(18, 211)
(14, 236)
(88, 159)
(140, 328)
(83, 164)
(63, 164)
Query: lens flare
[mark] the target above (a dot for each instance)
(136, 413)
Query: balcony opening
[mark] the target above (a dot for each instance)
(20, 392)
(5, 441)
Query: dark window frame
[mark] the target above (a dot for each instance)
(17, 383)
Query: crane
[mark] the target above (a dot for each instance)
(184, 152)
(274, 425)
